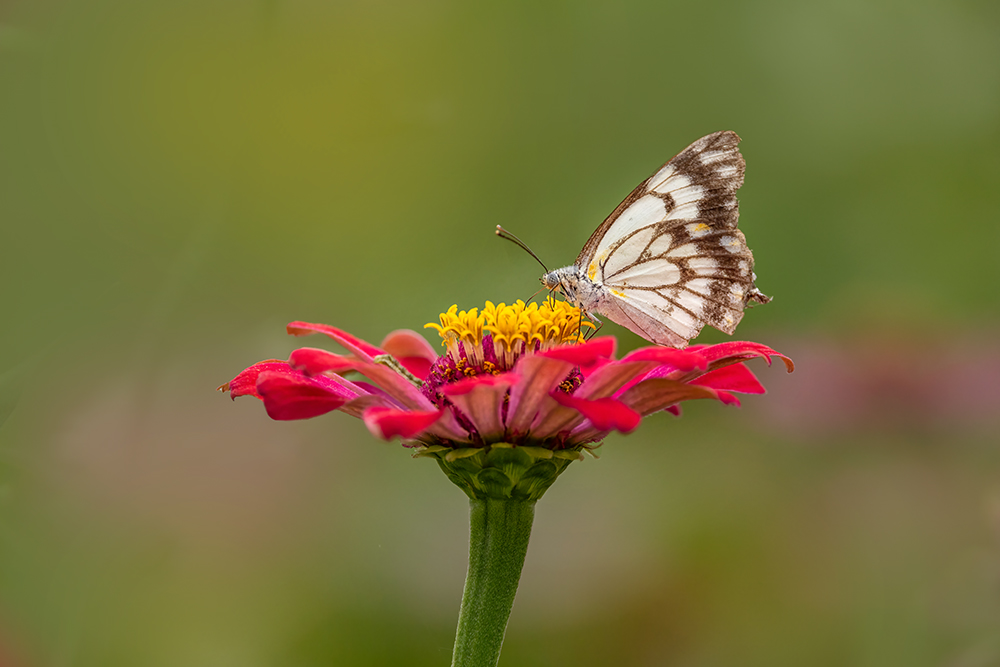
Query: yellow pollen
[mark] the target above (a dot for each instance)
(516, 329)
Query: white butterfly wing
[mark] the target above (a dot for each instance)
(669, 259)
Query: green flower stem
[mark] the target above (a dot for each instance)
(501, 528)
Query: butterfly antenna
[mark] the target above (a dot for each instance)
(504, 234)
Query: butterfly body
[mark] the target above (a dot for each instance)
(669, 259)
(577, 288)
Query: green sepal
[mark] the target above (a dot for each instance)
(429, 451)
(502, 470)
(464, 453)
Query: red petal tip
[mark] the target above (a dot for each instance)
(728, 398)
(738, 350)
(606, 414)
(388, 423)
(245, 384)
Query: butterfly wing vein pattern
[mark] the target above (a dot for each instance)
(670, 259)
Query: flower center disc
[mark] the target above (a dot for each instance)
(492, 340)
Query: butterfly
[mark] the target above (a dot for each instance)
(669, 259)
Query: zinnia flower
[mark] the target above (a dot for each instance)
(518, 394)
(512, 376)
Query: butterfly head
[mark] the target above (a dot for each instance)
(550, 280)
(566, 280)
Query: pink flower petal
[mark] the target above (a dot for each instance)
(357, 406)
(682, 360)
(353, 344)
(736, 377)
(727, 398)
(466, 385)
(369, 389)
(448, 428)
(289, 397)
(738, 350)
(556, 417)
(396, 386)
(245, 384)
(587, 371)
(481, 399)
(584, 354)
(650, 396)
(606, 414)
(313, 361)
(672, 363)
(393, 383)
(388, 423)
(412, 350)
(611, 377)
(419, 366)
(539, 376)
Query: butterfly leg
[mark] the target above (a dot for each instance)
(593, 331)
(579, 324)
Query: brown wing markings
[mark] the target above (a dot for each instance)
(731, 272)
(656, 331)
(678, 339)
(718, 302)
(679, 237)
(725, 142)
(711, 316)
(673, 303)
(590, 247)
(715, 296)
(709, 245)
(685, 161)
(668, 201)
(639, 326)
(642, 257)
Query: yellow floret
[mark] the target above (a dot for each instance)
(516, 328)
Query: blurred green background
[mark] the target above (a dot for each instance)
(180, 179)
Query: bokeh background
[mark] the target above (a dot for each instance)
(179, 179)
